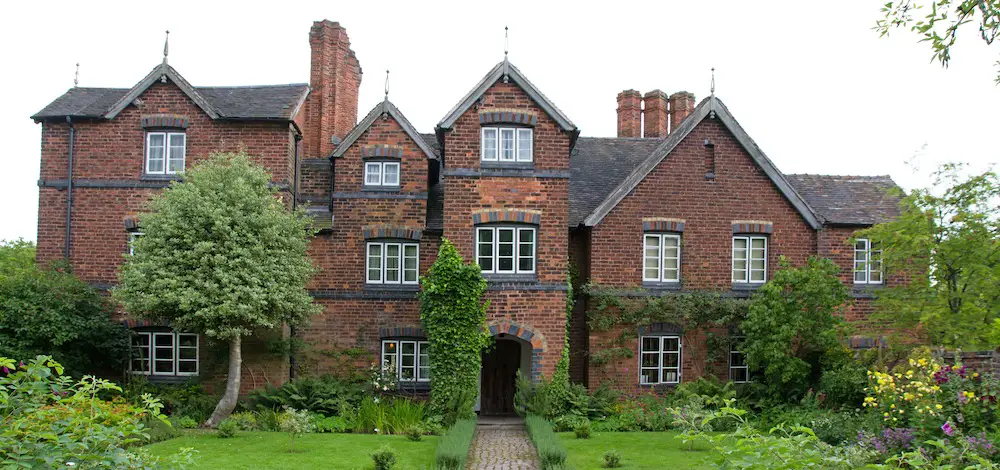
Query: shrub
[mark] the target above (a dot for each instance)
(245, 420)
(157, 430)
(295, 422)
(268, 420)
(582, 430)
(388, 416)
(453, 447)
(415, 433)
(552, 399)
(228, 428)
(189, 399)
(844, 385)
(612, 459)
(186, 423)
(551, 452)
(567, 422)
(324, 395)
(384, 457)
(325, 424)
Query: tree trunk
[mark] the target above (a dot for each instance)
(229, 399)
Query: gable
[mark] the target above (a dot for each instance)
(710, 108)
(384, 108)
(162, 73)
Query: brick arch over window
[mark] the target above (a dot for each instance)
(404, 233)
(525, 216)
(134, 323)
(661, 328)
(536, 340)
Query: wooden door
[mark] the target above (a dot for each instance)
(499, 378)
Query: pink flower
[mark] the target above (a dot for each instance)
(6, 370)
(948, 430)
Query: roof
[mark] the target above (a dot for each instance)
(713, 108)
(384, 108)
(506, 69)
(266, 102)
(597, 166)
(849, 200)
(432, 142)
(435, 207)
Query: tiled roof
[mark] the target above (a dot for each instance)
(598, 165)
(242, 102)
(850, 200)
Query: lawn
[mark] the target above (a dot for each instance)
(639, 450)
(261, 450)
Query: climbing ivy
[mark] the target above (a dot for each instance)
(561, 375)
(453, 314)
(693, 311)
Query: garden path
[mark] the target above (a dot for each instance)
(502, 444)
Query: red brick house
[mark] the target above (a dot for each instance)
(682, 199)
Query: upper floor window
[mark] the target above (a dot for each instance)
(132, 237)
(661, 259)
(506, 250)
(507, 144)
(739, 372)
(867, 262)
(165, 152)
(408, 360)
(164, 353)
(659, 359)
(392, 263)
(381, 173)
(749, 259)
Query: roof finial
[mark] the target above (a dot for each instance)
(76, 76)
(387, 84)
(713, 81)
(506, 42)
(166, 43)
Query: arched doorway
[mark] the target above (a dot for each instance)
(516, 349)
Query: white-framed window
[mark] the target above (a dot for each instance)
(164, 353)
(410, 359)
(739, 372)
(506, 250)
(749, 259)
(661, 257)
(381, 173)
(867, 262)
(659, 359)
(507, 144)
(392, 263)
(165, 152)
(132, 237)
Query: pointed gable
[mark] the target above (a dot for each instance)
(500, 71)
(384, 108)
(162, 72)
(710, 108)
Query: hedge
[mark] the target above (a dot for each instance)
(453, 447)
(551, 452)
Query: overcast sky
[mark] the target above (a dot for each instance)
(811, 82)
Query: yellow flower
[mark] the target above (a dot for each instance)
(938, 406)
(885, 415)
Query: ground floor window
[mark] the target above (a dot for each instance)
(738, 370)
(164, 353)
(409, 359)
(659, 360)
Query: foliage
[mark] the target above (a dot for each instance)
(385, 458)
(295, 423)
(186, 423)
(245, 421)
(834, 427)
(958, 452)
(939, 26)
(551, 452)
(228, 428)
(329, 423)
(553, 399)
(791, 324)
(324, 394)
(268, 420)
(188, 400)
(415, 432)
(453, 314)
(49, 420)
(388, 416)
(454, 445)
(220, 255)
(612, 459)
(954, 229)
(48, 310)
(638, 451)
(844, 385)
(692, 420)
(582, 430)
(157, 430)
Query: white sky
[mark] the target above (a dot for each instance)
(811, 82)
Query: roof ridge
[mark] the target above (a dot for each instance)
(276, 85)
(889, 177)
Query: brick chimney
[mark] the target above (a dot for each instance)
(655, 114)
(334, 78)
(681, 105)
(630, 114)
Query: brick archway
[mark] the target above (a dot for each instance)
(525, 334)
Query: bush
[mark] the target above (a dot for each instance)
(228, 428)
(415, 433)
(453, 447)
(189, 400)
(551, 452)
(268, 420)
(324, 424)
(185, 423)
(324, 395)
(157, 430)
(384, 457)
(582, 430)
(567, 422)
(245, 420)
(844, 385)
(552, 400)
(295, 422)
(612, 459)
(388, 416)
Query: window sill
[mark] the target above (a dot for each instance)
(381, 189)
(392, 287)
(659, 387)
(506, 278)
(417, 387)
(168, 379)
(747, 286)
(866, 291)
(173, 177)
(661, 286)
(507, 165)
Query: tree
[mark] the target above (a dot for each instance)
(52, 312)
(453, 313)
(791, 325)
(945, 249)
(938, 22)
(223, 256)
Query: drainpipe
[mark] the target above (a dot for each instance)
(69, 185)
(295, 203)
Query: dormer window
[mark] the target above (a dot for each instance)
(382, 174)
(507, 144)
(165, 152)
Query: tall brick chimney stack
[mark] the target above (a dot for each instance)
(334, 78)
(630, 114)
(681, 105)
(655, 114)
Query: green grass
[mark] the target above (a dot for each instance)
(639, 450)
(262, 450)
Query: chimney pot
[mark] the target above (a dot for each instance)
(630, 114)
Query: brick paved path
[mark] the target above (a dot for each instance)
(502, 444)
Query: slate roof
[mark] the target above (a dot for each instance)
(849, 200)
(241, 102)
(598, 165)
